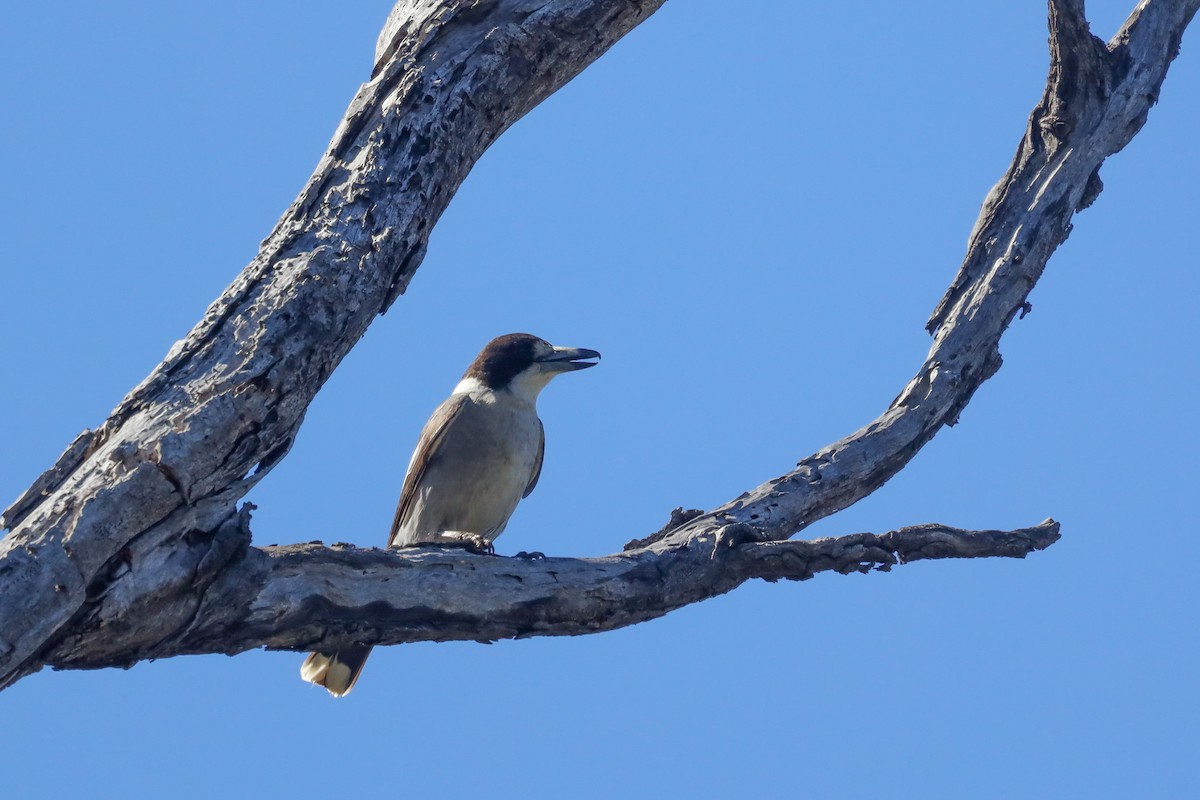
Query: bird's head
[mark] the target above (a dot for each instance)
(524, 364)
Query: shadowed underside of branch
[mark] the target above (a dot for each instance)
(132, 545)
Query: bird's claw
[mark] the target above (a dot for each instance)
(536, 555)
(473, 543)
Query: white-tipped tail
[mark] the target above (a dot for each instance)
(337, 672)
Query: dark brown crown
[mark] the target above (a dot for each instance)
(503, 358)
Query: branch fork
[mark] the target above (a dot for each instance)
(133, 546)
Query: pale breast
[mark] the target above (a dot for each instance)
(481, 467)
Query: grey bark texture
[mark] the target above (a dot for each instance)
(132, 545)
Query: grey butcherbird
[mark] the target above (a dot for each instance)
(478, 455)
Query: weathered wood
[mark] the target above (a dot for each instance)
(179, 452)
(132, 544)
(313, 597)
(1096, 99)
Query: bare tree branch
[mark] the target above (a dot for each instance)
(1096, 100)
(173, 459)
(312, 597)
(131, 544)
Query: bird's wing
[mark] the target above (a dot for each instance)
(537, 465)
(426, 452)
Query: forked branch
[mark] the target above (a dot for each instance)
(132, 545)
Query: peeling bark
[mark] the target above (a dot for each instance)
(132, 545)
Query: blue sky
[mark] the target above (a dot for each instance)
(751, 217)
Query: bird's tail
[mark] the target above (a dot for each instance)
(338, 671)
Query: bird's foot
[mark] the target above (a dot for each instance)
(471, 542)
(536, 555)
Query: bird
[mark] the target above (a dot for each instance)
(479, 455)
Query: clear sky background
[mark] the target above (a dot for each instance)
(750, 209)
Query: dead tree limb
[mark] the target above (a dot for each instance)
(124, 547)
(309, 596)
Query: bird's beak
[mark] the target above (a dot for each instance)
(566, 359)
